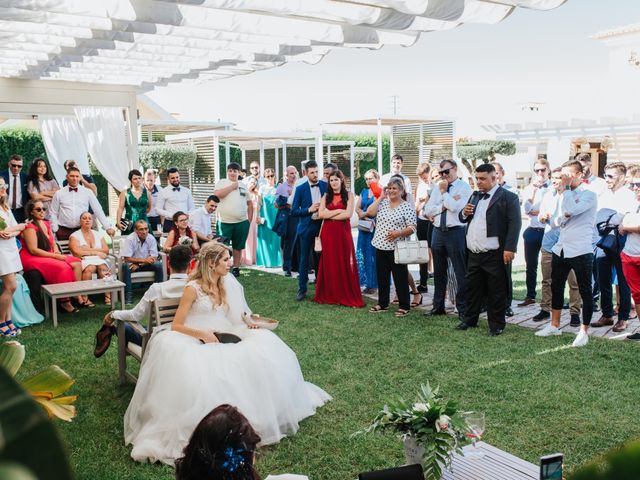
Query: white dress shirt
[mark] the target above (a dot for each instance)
(67, 206)
(170, 201)
(423, 190)
(18, 184)
(622, 201)
(316, 196)
(576, 220)
(534, 206)
(172, 288)
(447, 200)
(597, 185)
(200, 221)
(477, 240)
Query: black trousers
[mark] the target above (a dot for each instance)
(486, 281)
(449, 244)
(18, 214)
(582, 266)
(385, 267)
(422, 232)
(167, 225)
(289, 246)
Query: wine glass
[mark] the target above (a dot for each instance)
(475, 429)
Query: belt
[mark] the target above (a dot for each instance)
(537, 229)
(451, 228)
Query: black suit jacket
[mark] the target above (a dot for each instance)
(503, 218)
(23, 181)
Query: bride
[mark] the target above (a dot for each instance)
(186, 373)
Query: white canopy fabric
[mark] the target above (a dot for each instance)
(150, 42)
(63, 140)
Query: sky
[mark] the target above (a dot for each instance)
(477, 74)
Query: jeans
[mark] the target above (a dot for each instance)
(606, 262)
(126, 276)
(422, 232)
(450, 244)
(582, 265)
(532, 245)
(386, 266)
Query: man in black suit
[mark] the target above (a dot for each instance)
(16, 181)
(492, 215)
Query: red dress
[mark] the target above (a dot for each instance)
(338, 282)
(53, 270)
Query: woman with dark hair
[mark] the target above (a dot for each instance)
(135, 202)
(222, 446)
(40, 252)
(337, 282)
(40, 185)
(180, 232)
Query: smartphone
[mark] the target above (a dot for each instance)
(551, 467)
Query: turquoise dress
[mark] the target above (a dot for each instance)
(23, 313)
(269, 253)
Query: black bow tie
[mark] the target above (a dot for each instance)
(73, 189)
(484, 196)
(176, 189)
(317, 185)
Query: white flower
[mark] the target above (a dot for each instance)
(184, 240)
(442, 423)
(421, 407)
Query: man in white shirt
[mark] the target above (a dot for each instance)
(179, 260)
(396, 169)
(173, 198)
(140, 254)
(16, 181)
(591, 182)
(620, 199)
(200, 219)
(573, 251)
(70, 202)
(492, 215)
(448, 241)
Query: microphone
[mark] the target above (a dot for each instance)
(475, 199)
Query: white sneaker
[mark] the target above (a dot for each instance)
(548, 331)
(582, 338)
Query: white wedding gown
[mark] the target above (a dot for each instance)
(181, 380)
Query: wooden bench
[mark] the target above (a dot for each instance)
(495, 465)
(162, 312)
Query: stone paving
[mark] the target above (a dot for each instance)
(522, 315)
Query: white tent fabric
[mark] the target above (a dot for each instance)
(104, 128)
(63, 140)
(154, 42)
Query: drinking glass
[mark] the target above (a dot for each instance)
(475, 429)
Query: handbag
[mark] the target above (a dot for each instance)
(317, 244)
(611, 242)
(366, 225)
(411, 251)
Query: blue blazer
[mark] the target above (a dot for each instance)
(300, 208)
(23, 180)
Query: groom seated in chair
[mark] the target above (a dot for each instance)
(179, 260)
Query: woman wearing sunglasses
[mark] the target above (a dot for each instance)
(10, 264)
(268, 252)
(40, 252)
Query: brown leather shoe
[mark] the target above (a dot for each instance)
(103, 340)
(527, 301)
(620, 326)
(603, 322)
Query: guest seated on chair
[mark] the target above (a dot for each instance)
(179, 260)
(200, 219)
(140, 254)
(180, 230)
(40, 252)
(89, 246)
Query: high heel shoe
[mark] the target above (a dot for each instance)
(417, 304)
(5, 331)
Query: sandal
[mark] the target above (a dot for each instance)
(378, 309)
(107, 299)
(88, 304)
(73, 309)
(12, 328)
(401, 312)
(417, 304)
(5, 331)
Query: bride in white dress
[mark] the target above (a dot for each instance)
(186, 373)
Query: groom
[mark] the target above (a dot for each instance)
(306, 202)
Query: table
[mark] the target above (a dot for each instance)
(84, 287)
(495, 465)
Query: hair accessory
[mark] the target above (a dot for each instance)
(233, 459)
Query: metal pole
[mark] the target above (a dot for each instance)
(328, 153)
(352, 160)
(319, 152)
(227, 152)
(276, 163)
(284, 157)
(380, 147)
(216, 157)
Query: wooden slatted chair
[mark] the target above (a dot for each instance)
(63, 246)
(162, 312)
(137, 277)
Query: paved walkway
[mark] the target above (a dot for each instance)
(522, 315)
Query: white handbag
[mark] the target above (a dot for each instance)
(411, 251)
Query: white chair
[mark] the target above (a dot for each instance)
(137, 277)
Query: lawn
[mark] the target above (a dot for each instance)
(538, 398)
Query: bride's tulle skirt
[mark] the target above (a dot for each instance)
(182, 380)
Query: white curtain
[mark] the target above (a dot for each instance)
(63, 140)
(104, 131)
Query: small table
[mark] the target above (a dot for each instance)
(84, 287)
(495, 465)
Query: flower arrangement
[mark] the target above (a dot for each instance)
(433, 423)
(3, 224)
(186, 241)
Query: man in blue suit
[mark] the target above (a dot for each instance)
(16, 181)
(306, 202)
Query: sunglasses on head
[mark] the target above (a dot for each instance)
(40, 209)
(444, 172)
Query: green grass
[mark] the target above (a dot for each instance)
(538, 398)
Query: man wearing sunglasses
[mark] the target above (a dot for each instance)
(532, 236)
(16, 181)
(254, 171)
(447, 200)
(620, 199)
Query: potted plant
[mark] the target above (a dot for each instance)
(431, 428)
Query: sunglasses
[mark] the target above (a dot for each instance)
(634, 184)
(40, 209)
(269, 176)
(610, 176)
(539, 170)
(444, 172)
(182, 220)
(13, 165)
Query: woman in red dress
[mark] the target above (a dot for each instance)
(337, 282)
(40, 252)
(180, 230)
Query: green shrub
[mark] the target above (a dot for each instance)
(165, 155)
(616, 464)
(23, 141)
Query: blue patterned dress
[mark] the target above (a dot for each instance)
(366, 253)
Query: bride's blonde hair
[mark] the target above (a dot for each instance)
(209, 257)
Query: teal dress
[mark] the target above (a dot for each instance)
(23, 313)
(136, 209)
(268, 248)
